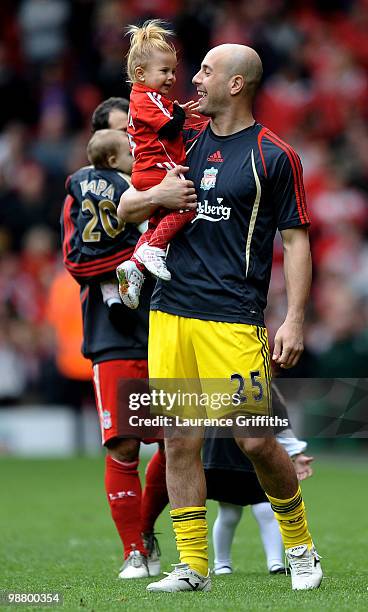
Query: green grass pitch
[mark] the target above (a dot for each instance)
(57, 535)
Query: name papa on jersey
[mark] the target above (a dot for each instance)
(98, 187)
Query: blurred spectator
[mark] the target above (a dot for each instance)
(109, 21)
(285, 100)
(338, 205)
(68, 378)
(43, 24)
(16, 101)
(340, 337)
(63, 313)
(13, 153)
(25, 205)
(51, 149)
(12, 366)
(193, 29)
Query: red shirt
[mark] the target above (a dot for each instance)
(149, 111)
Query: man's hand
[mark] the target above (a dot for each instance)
(288, 344)
(302, 466)
(174, 191)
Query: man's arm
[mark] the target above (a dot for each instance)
(288, 344)
(173, 193)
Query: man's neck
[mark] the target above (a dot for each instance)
(227, 124)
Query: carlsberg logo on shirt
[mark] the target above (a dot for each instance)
(212, 212)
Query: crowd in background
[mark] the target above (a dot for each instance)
(60, 58)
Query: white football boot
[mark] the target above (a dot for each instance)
(221, 570)
(135, 566)
(153, 553)
(154, 259)
(279, 569)
(182, 578)
(305, 567)
(130, 283)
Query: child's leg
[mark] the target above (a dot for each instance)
(270, 535)
(143, 239)
(130, 273)
(223, 531)
(169, 226)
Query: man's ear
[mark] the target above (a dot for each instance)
(237, 84)
(139, 74)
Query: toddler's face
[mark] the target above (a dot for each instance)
(159, 73)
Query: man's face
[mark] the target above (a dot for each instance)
(211, 82)
(118, 120)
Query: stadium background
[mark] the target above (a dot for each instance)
(59, 59)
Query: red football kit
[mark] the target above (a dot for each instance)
(154, 156)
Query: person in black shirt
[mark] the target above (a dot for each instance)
(208, 321)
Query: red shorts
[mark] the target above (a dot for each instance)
(145, 179)
(114, 381)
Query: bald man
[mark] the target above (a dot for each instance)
(208, 323)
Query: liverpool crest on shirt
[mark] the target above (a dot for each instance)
(208, 180)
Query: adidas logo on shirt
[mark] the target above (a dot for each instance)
(215, 157)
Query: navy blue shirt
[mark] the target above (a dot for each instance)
(249, 184)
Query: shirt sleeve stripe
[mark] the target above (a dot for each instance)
(300, 175)
(301, 185)
(101, 260)
(84, 274)
(297, 173)
(272, 137)
(157, 100)
(100, 265)
(68, 226)
(260, 136)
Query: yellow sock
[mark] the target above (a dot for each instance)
(291, 516)
(190, 528)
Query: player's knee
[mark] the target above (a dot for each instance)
(181, 449)
(124, 450)
(256, 447)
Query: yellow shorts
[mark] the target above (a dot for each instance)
(228, 364)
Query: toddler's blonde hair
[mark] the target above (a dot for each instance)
(151, 36)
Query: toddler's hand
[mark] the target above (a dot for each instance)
(189, 108)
